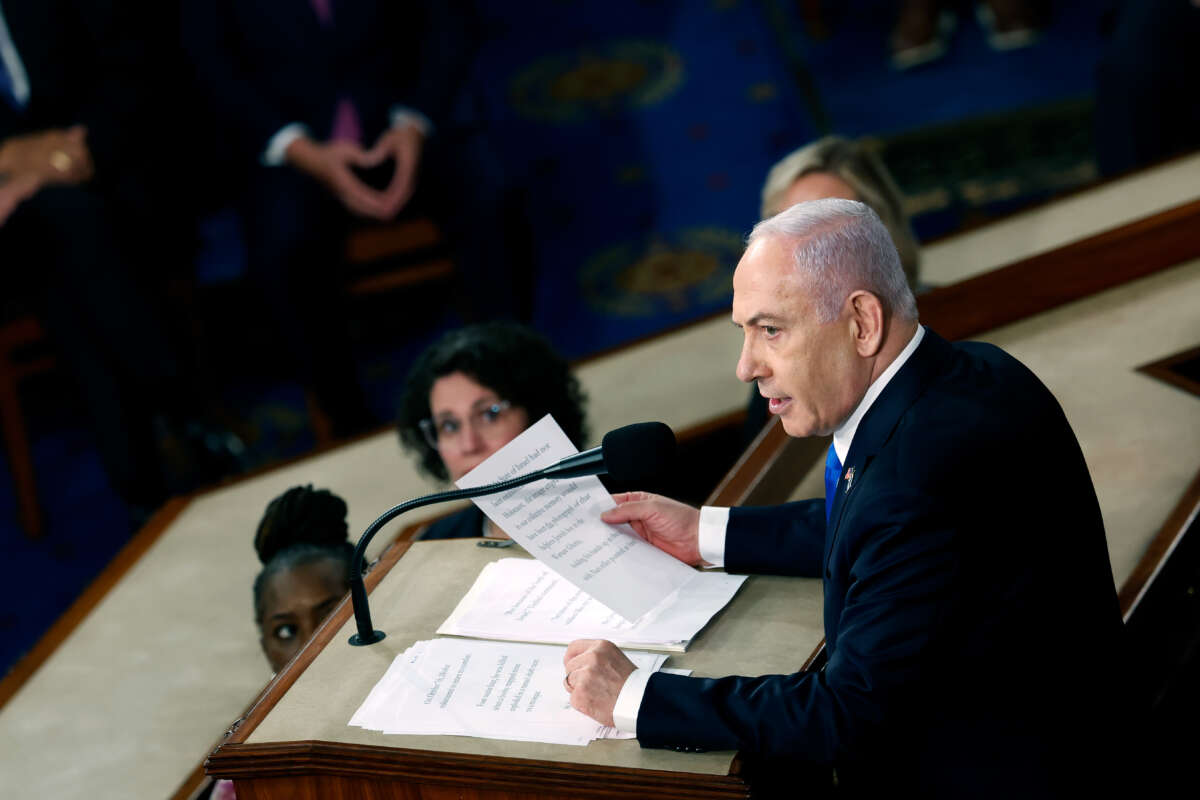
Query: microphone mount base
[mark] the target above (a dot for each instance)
(359, 641)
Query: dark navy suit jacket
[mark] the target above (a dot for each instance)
(970, 615)
(268, 63)
(464, 524)
(88, 63)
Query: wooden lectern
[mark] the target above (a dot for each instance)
(295, 742)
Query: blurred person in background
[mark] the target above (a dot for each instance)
(472, 392)
(1146, 107)
(85, 230)
(340, 113)
(834, 166)
(924, 27)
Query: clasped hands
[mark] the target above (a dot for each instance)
(33, 161)
(596, 669)
(333, 162)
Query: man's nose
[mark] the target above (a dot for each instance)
(748, 365)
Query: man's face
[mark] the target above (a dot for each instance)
(810, 372)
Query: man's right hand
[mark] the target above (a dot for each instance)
(331, 163)
(669, 525)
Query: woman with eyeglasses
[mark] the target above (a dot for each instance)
(470, 394)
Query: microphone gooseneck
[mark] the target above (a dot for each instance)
(631, 453)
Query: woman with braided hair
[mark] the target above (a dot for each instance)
(303, 545)
(306, 555)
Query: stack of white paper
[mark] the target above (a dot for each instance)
(591, 580)
(493, 690)
(558, 522)
(519, 599)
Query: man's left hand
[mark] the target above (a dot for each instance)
(402, 143)
(33, 160)
(596, 670)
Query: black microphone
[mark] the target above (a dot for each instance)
(630, 454)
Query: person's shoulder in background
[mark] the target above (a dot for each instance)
(465, 524)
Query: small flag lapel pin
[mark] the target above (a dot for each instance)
(849, 479)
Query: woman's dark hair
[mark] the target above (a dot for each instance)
(300, 526)
(511, 360)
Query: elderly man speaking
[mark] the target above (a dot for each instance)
(971, 621)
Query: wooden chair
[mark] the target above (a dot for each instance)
(384, 258)
(18, 337)
(412, 252)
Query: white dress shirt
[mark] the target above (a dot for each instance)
(714, 521)
(13, 64)
(277, 145)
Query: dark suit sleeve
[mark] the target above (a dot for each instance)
(116, 108)
(211, 44)
(434, 64)
(901, 589)
(776, 540)
(465, 524)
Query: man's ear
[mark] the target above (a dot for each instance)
(866, 316)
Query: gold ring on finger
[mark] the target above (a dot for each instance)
(61, 161)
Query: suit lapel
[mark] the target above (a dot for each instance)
(881, 419)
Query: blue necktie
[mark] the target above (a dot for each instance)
(833, 473)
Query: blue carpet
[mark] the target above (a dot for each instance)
(87, 524)
(642, 131)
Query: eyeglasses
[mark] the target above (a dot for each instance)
(448, 429)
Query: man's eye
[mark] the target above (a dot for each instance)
(771, 331)
(285, 632)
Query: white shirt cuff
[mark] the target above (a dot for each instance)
(403, 115)
(625, 711)
(276, 152)
(713, 522)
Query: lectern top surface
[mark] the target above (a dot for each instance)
(772, 626)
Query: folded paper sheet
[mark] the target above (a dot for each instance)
(493, 690)
(558, 522)
(519, 599)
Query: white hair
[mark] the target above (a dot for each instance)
(858, 164)
(840, 247)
